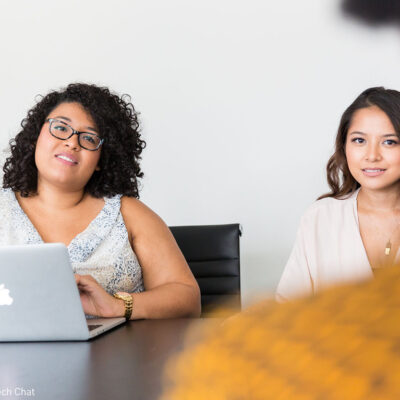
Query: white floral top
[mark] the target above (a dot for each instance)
(101, 250)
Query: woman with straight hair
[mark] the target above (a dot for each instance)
(353, 231)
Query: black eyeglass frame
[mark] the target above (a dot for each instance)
(74, 132)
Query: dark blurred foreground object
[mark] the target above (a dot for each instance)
(373, 12)
(212, 252)
(341, 344)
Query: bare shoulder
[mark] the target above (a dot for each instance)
(139, 218)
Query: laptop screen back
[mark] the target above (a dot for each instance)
(39, 299)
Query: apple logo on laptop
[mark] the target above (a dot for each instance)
(5, 298)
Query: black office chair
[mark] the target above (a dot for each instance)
(212, 252)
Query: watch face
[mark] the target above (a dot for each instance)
(124, 296)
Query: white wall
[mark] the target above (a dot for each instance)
(239, 100)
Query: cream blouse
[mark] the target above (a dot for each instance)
(328, 249)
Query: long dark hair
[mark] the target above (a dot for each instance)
(340, 180)
(118, 124)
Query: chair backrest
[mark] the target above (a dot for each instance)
(212, 252)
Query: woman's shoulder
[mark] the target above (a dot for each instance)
(331, 207)
(5, 191)
(7, 202)
(6, 195)
(138, 216)
(134, 207)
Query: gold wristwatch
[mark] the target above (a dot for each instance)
(128, 300)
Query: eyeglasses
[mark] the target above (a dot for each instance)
(61, 130)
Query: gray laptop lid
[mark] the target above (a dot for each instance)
(39, 299)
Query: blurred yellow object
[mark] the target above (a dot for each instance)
(341, 344)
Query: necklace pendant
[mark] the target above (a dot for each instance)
(388, 248)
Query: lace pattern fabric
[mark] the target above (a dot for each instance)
(101, 250)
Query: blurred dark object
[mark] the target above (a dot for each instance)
(373, 12)
(212, 252)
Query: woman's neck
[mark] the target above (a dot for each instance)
(54, 198)
(385, 200)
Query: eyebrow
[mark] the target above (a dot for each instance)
(69, 120)
(364, 134)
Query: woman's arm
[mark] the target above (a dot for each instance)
(171, 291)
(170, 288)
(296, 279)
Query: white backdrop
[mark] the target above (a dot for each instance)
(239, 100)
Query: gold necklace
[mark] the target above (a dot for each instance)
(388, 247)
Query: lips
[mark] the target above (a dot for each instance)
(373, 171)
(67, 158)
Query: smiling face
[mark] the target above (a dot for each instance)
(64, 163)
(373, 149)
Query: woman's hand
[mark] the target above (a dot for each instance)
(95, 300)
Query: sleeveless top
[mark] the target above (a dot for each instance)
(102, 250)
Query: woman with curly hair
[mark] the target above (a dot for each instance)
(353, 231)
(72, 177)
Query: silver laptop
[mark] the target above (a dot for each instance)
(39, 299)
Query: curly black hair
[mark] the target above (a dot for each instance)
(118, 124)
